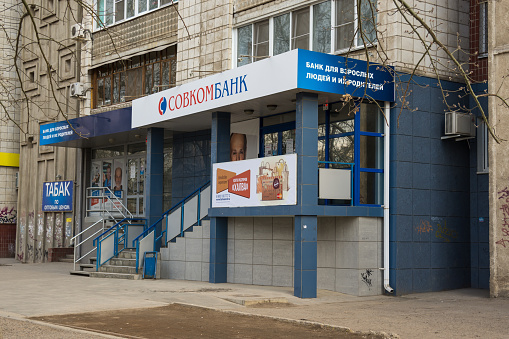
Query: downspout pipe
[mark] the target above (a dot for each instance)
(387, 162)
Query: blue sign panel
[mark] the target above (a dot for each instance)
(86, 127)
(336, 74)
(57, 196)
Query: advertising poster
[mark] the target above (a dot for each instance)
(107, 174)
(266, 181)
(118, 182)
(244, 134)
(96, 181)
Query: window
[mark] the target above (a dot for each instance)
(113, 11)
(483, 28)
(352, 133)
(326, 27)
(145, 74)
(482, 148)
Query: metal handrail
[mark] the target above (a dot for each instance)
(114, 230)
(76, 246)
(104, 193)
(165, 214)
(182, 202)
(111, 195)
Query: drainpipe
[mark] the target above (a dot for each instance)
(387, 162)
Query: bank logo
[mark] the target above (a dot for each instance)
(162, 105)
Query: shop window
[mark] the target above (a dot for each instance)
(483, 28)
(146, 74)
(113, 11)
(329, 26)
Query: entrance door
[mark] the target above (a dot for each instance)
(136, 185)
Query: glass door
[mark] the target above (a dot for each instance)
(136, 185)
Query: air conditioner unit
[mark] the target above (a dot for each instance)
(461, 124)
(77, 90)
(77, 32)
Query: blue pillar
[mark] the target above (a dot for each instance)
(154, 179)
(306, 147)
(219, 152)
(304, 285)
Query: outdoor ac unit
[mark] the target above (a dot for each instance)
(77, 90)
(459, 124)
(77, 31)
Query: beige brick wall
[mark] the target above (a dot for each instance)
(204, 47)
(398, 45)
(9, 117)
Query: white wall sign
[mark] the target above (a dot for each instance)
(256, 182)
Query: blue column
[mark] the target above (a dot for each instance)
(154, 179)
(304, 285)
(219, 152)
(306, 147)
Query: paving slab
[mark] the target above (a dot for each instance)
(48, 289)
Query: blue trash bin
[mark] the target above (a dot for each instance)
(149, 265)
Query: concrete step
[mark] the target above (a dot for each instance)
(117, 269)
(115, 275)
(87, 266)
(69, 256)
(83, 273)
(123, 262)
(127, 254)
(66, 260)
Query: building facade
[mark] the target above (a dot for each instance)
(9, 132)
(373, 195)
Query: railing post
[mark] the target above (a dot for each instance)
(182, 219)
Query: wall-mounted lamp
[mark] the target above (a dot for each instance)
(248, 111)
(111, 140)
(58, 177)
(272, 107)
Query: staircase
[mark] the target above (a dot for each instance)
(122, 266)
(116, 257)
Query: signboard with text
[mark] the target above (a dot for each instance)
(57, 196)
(293, 70)
(265, 181)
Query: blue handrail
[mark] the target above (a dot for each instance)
(114, 231)
(163, 216)
(351, 178)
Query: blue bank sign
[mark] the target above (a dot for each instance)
(336, 74)
(57, 196)
(290, 71)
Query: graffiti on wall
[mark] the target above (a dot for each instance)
(424, 227)
(8, 215)
(20, 255)
(439, 226)
(366, 278)
(503, 196)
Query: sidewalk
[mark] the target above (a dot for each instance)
(47, 289)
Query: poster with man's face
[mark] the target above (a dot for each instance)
(107, 174)
(118, 175)
(238, 146)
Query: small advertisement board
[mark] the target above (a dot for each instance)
(268, 181)
(57, 196)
